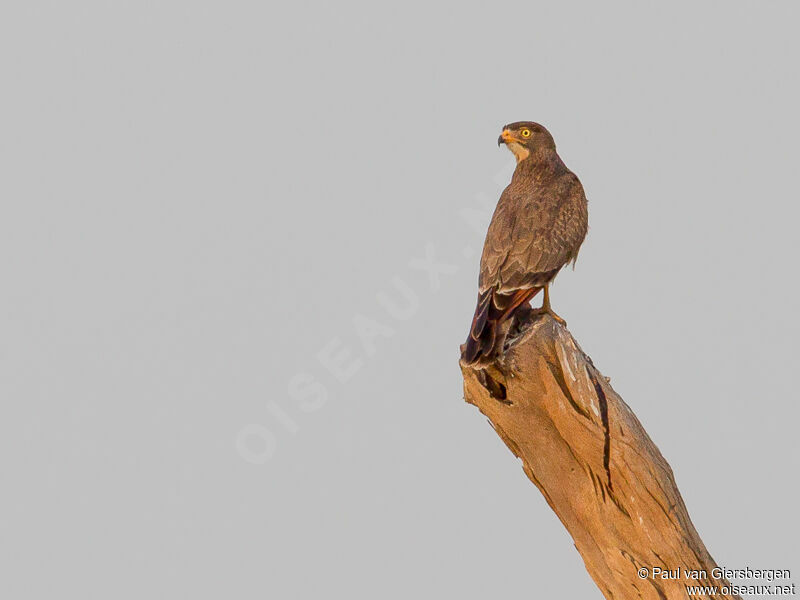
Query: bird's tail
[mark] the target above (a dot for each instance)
(490, 324)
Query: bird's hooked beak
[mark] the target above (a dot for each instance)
(506, 137)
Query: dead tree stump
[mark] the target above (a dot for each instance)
(594, 463)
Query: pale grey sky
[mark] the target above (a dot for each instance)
(204, 202)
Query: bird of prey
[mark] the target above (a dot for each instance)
(537, 228)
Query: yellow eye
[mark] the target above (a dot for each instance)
(525, 133)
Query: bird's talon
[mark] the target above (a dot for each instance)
(550, 313)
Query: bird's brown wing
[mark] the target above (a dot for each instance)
(531, 238)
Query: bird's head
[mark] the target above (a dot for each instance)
(526, 137)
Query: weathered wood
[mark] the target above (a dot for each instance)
(586, 451)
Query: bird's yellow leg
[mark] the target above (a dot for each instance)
(546, 309)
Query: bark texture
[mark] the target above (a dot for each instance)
(592, 460)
